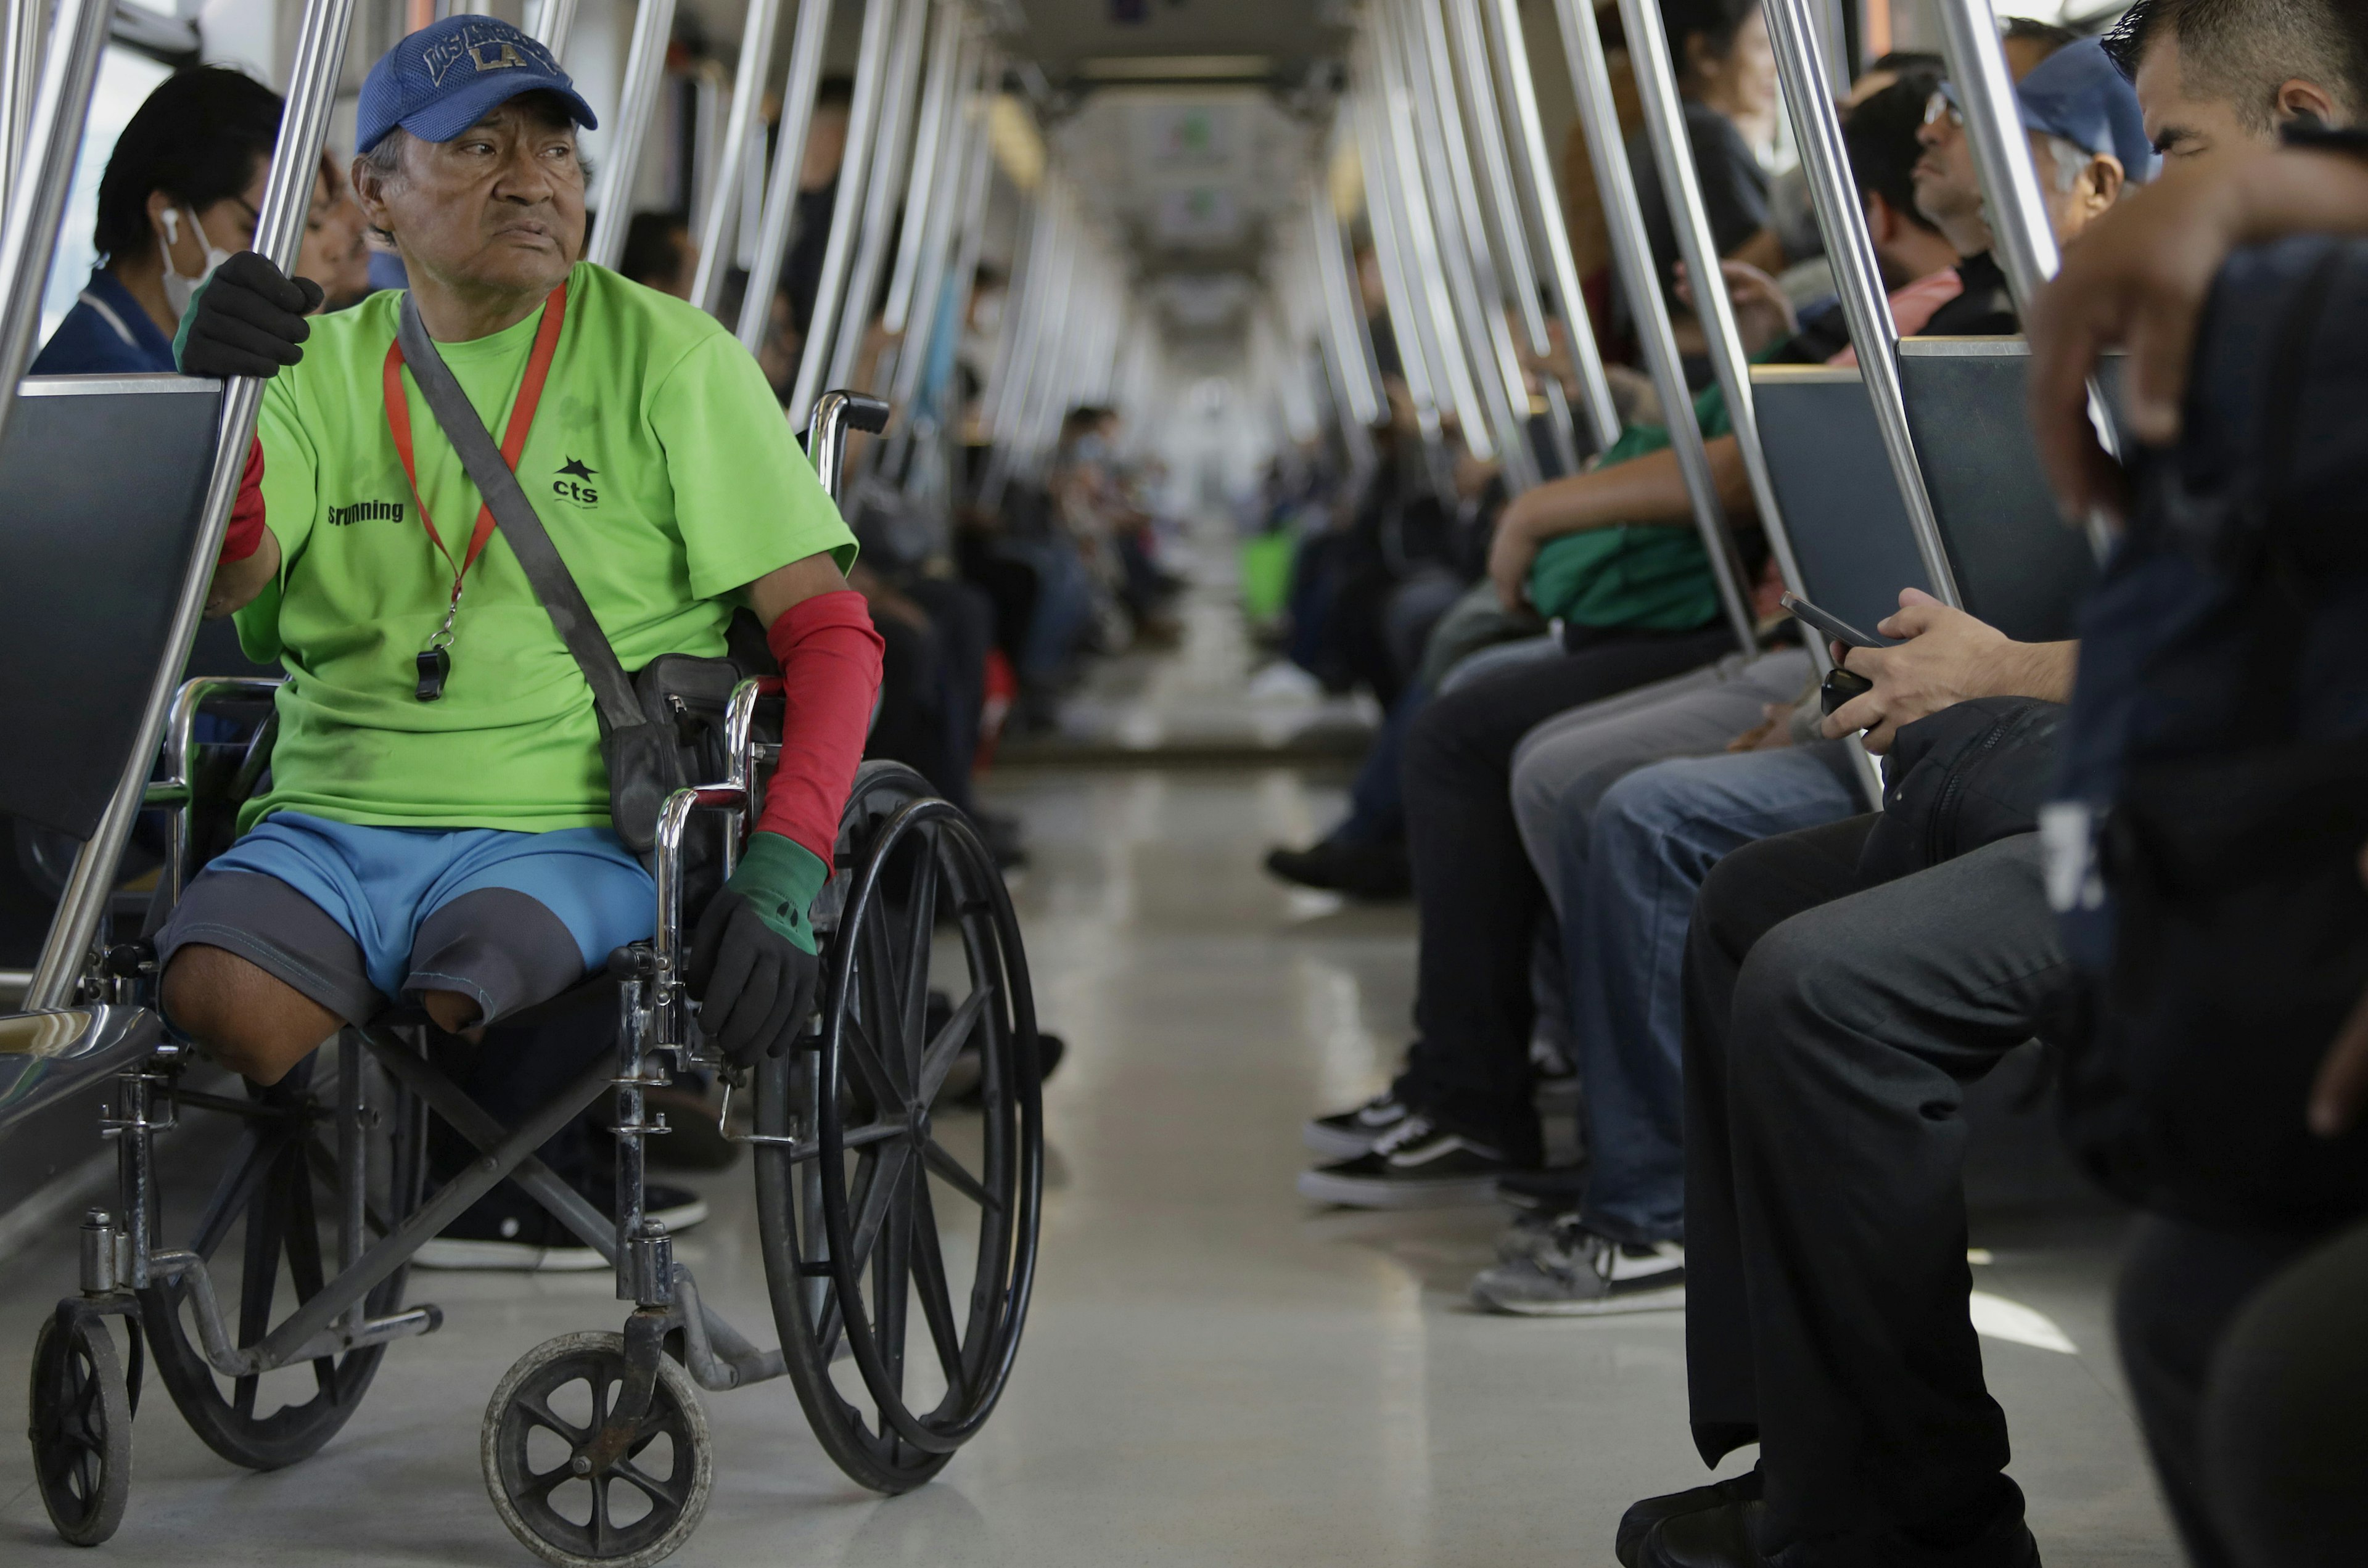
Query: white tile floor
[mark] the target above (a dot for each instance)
(1214, 1374)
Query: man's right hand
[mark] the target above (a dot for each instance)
(1945, 657)
(248, 320)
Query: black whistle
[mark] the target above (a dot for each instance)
(435, 668)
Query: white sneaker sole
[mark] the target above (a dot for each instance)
(517, 1257)
(1660, 1299)
(1365, 1192)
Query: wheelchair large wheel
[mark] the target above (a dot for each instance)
(281, 1181)
(879, 1203)
(81, 1427)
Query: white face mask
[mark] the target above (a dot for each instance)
(179, 289)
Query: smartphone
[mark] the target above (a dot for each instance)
(1833, 626)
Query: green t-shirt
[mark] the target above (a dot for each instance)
(661, 464)
(1651, 576)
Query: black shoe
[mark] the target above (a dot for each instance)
(1638, 1521)
(1360, 870)
(1719, 1537)
(508, 1230)
(1416, 1164)
(1348, 1134)
(1002, 837)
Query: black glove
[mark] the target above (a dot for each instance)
(756, 988)
(249, 319)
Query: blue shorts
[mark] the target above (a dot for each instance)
(357, 917)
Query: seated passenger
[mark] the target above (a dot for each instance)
(438, 828)
(181, 192)
(1830, 1028)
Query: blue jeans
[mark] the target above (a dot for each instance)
(1628, 892)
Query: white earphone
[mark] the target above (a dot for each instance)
(172, 225)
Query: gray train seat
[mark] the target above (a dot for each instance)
(2018, 567)
(1842, 512)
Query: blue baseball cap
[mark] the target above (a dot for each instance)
(450, 75)
(2079, 94)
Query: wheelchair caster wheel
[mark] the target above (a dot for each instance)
(81, 1428)
(568, 1497)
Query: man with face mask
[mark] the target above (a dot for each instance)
(180, 195)
(437, 827)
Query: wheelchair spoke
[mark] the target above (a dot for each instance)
(875, 969)
(539, 1411)
(600, 1525)
(856, 1042)
(872, 1206)
(892, 1277)
(951, 1170)
(632, 1475)
(937, 1304)
(920, 923)
(539, 1488)
(231, 1194)
(939, 1059)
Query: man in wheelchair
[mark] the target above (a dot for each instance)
(436, 830)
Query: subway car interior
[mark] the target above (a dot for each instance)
(1381, 782)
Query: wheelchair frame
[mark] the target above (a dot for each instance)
(344, 1320)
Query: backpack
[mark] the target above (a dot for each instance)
(2206, 851)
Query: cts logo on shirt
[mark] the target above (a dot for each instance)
(575, 484)
(366, 512)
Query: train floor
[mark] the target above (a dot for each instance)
(1215, 1373)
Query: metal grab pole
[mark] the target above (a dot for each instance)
(1633, 255)
(963, 238)
(1664, 129)
(1463, 241)
(951, 58)
(1017, 347)
(781, 208)
(1545, 210)
(1408, 323)
(1833, 190)
(2020, 230)
(1521, 273)
(645, 70)
(1352, 345)
(1410, 200)
(747, 101)
(20, 79)
(278, 231)
(872, 69)
(553, 21)
(892, 134)
(36, 188)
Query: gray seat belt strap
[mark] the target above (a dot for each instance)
(612, 690)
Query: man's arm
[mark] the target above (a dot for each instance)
(2138, 278)
(236, 583)
(1649, 489)
(773, 594)
(1946, 656)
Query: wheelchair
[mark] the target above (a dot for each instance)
(595, 1445)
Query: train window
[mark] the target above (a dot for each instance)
(125, 77)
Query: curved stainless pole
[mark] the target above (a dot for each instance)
(553, 21)
(1632, 254)
(780, 210)
(278, 230)
(962, 237)
(1409, 329)
(747, 104)
(871, 72)
(36, 188)
(1544, 202)
(20, 81)
(1858, 277)
(1360, 380)
(927, 195)
(1519, 273)
(884, 184)
(1463, 237)
(636, 105)
(1665, 130)
(2019, 230)
(1017, 345)
(1445, 343)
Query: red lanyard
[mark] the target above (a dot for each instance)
(398, 424)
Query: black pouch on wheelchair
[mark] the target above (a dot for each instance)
(2222, 726)
(687, 702)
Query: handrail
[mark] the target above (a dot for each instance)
(890, 148)
(37, 185)
(873, 65)
(287, 196)
(756, 38)
(1632, 256)
(780, 210)
(612, 201)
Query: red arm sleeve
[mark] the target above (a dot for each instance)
(830, 677)
(245, 535)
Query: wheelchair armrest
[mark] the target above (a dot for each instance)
(180, 726)
(46, 1056)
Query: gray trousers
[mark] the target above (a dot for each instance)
(1831, 1031)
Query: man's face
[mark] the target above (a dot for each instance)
(1947, 190)
(498, 207)
(2185, 128)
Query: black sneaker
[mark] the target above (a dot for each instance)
(524, 1237)
(1577, 1273)
(1414, 1165)
(1349, 1133)
(1360, 870)
(1638, 1521)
